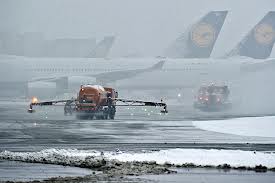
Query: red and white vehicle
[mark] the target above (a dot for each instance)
(212, 98)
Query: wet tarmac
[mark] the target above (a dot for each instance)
(134, 129)
(19, 171)
(214, 176)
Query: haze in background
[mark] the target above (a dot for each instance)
(143, 28)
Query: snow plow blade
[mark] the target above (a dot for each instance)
(213, 108)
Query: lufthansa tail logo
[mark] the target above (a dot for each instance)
(264, 34)
(203, 35)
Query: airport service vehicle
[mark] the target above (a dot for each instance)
(95, 101)
(213, 98)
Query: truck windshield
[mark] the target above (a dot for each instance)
(87, 99)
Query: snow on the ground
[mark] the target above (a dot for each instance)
(250, 126)
(235, 158)
(203, 157)
(53, 156)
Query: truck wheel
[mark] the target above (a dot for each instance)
(112, 112)
(68, 113)
(112, 115)
(99, 117)
(81, 117)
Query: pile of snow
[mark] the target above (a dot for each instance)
(250, 126)
(71, 157)
(234, 158)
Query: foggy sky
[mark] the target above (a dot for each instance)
(141, 26)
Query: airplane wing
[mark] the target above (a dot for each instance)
(59, 80)
(46, 79)
(108, 77)
(258, 65)
(105, 77)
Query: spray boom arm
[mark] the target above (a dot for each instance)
(125, 102)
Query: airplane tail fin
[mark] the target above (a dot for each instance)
(103, 48)
(199, 40)
(157, 66)
(258, 43)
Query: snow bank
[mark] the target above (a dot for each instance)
(71, 157)
(234, 158)
(250, 126)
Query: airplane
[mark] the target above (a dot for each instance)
(56, 48)
(249, 56)
(199, 39)
(16, 76)
(103, 48)
(143, 73)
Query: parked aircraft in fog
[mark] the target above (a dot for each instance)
(16, 72)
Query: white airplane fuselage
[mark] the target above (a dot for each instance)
(24, 69)
(174, 73)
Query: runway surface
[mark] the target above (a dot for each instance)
(19, 171)
(134, 129)
(215, 176)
